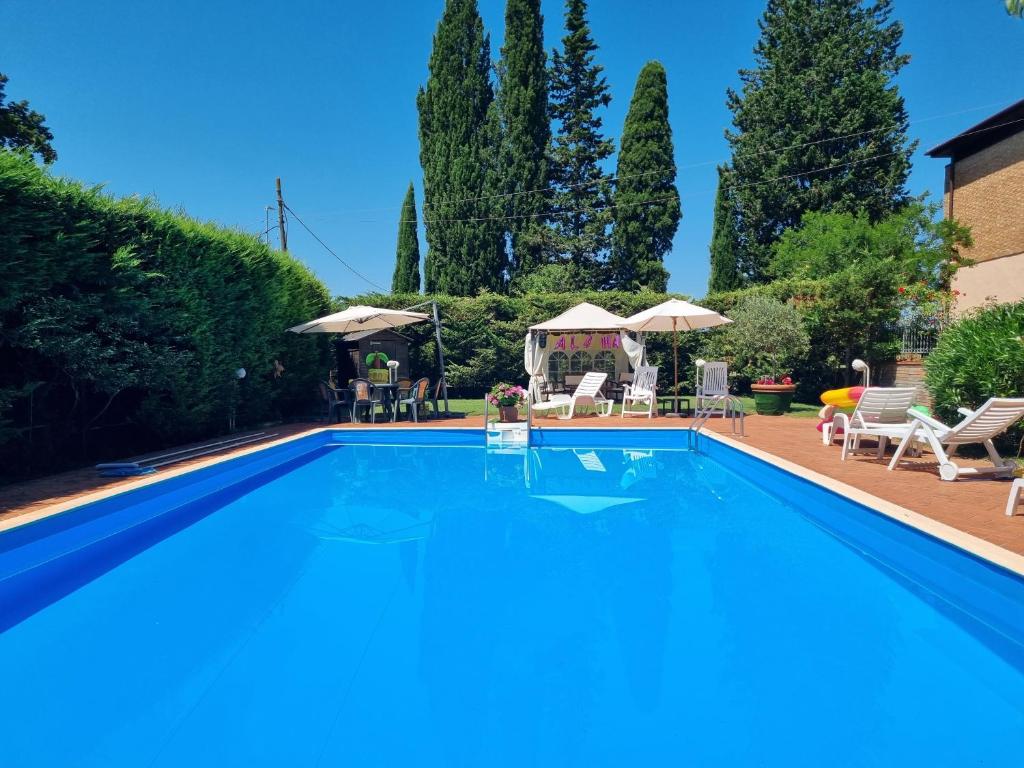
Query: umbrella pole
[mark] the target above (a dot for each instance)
(675, 355)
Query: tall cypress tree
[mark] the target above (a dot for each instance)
(820, 108)
(646, 208)
(725, 243)
(581, 191)
(465, 246)
(522, 104)
(407, 255)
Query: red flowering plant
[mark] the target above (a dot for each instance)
(926, 305)
(787, 380)
(506, 395)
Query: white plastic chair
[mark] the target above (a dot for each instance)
(641, 391)
(712, 383)
(587, 393)
(993, 418)
(881, 413)
(1016, 496)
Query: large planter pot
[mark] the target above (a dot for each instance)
(508, 414)
(772, 399)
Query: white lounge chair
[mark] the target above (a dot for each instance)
(993, 418)
(641, 391)
(881, 413)
(1016, 496)
(587, 393)
(712, 383)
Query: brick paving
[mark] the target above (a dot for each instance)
(973, 506)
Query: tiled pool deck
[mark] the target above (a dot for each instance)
(973, 506)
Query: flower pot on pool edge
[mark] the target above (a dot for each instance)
(508, 414)
(772, 399)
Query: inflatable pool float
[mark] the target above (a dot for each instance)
(846, 397)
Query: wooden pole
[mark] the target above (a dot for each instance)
(675, 355)
(280, 218)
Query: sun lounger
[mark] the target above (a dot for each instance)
(587, 393)
(881, 413)
(993, 418)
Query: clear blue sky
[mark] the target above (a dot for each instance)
(202, 104)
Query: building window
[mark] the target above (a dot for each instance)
(604, 362)
(580, 362)
(558, 366)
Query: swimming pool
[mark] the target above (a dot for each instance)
(410, 597)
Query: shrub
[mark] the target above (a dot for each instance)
(980, 356)
(766, 338)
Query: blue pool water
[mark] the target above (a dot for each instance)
(386, 605)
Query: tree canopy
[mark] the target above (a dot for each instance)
(458, 139)
(21, 127)
(581, 190)
(406, 278)
(522, 100)
(819, 123)
(646, 211)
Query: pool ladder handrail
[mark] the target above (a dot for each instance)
(733, 407)
(529, 416)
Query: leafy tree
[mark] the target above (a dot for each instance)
(581, 190)
(646, 210)
(458, 134)
(725, 242)
(522, 100)
(819, 122)
(23, 128)
(911, 244)
(407, 257)
(767, 336)
(1015, 8)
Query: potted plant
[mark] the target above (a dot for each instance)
(508, 398)
(376, 371)
(768, 337)
(771, 397)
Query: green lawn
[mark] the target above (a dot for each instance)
(475, 407)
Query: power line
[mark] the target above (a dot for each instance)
(686, 166)
(330, 250)
(595, 209)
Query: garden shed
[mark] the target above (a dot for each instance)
(358, 346)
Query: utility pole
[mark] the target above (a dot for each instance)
(280, 217)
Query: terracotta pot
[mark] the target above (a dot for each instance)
(772, 399)
(508, 414)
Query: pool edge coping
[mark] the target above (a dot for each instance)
(970, 543)
(974, 545)
(49, 510)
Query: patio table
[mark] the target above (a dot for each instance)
(665, 403)
(389, 396)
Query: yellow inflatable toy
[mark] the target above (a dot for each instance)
(846, 397)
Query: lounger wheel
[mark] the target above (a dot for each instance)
(949, 471)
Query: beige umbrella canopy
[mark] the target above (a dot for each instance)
(361, 318)
(673, 316)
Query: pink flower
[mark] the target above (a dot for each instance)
(787, 380)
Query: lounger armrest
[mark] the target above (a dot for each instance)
(927, 420)
(964, 411)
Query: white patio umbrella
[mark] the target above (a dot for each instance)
(674, 315)
(361, 318)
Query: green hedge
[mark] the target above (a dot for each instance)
(979, 357)
(483, 335)
(121, 325)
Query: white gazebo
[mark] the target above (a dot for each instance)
(584, 338)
